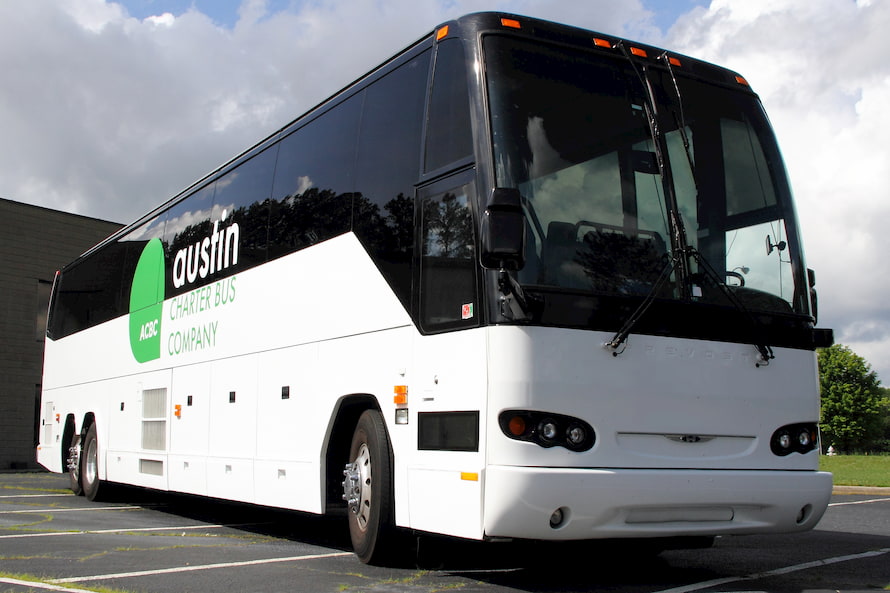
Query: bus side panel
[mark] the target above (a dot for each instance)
(133, 428)
(49, 448)
(287, 472)
(371, 364)
(233, 412)
(190, 428)
(444, 482)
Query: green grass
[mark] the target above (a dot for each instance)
(858, 470)
(33, 579)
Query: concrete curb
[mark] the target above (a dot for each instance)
(871, 490)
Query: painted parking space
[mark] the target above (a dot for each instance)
(152, 542)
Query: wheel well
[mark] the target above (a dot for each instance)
(345, 418)
(67, 438)
(88, 421)
(70, 431)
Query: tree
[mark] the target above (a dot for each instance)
(853, 405)
(883, 444)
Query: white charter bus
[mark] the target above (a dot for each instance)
(521, 281)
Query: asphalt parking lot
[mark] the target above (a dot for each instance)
(141, 541)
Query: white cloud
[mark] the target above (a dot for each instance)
(108, 115)
(820, 69)
(166, 20)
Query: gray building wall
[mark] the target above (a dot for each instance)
(34, 243)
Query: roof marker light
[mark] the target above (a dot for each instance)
(512, 23)
(640, 53)
(441, 33)
(674, 61)
(741, 80)
(601, 43)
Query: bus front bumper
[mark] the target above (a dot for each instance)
(574, 504)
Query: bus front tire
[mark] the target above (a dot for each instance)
(89, 465)
(368, 490)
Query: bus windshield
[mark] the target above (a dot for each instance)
(572, 131)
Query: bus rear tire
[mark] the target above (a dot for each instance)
(89, 466)
(368, 490)
(73, 462)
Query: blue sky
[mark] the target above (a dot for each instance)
(225, 12)
(109, 107)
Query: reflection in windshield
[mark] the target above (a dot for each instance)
(570, 132)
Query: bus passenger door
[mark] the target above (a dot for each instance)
(448, 379)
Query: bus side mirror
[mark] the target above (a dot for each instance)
(503, 231)
(814, 300)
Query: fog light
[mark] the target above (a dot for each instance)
(556, 518)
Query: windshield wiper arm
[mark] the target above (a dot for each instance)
(621, 335)
(763, 347)
(681, 118)
(678, 231)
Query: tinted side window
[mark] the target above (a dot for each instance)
(449, 135)
(312, 192)
(188, 224)
(241, 205)
(388, 167)
(89, 293)
(133, 243)
(447, 273)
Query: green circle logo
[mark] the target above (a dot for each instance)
(147, 303)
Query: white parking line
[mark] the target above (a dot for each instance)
(34, 495)
(840, 504)
(38, 585)
(775, 572)
(124, 530)
(143, 573)
(57, 510)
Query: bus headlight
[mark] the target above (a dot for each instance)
(576, 435)
(547, 430)
(794, 438)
